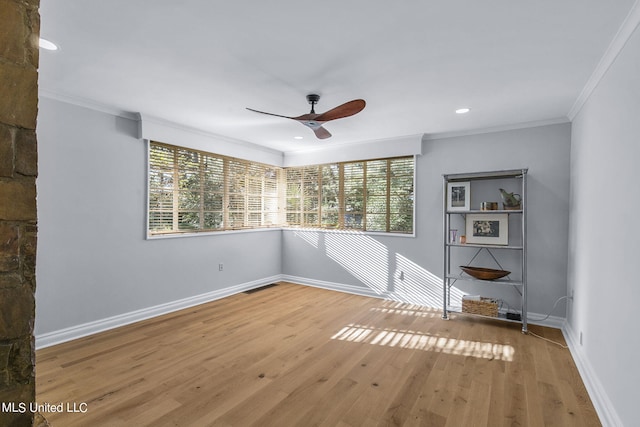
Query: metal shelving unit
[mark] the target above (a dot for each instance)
(519, 237)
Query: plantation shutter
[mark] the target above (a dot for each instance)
(293, 197)
(376, 195)
(353, 195)
(311, 196)
(401, 195)
(162, 175)
(330, 199)
(372, 195)
(213, 192)
(192, 191)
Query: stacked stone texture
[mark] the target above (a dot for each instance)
(19, 31)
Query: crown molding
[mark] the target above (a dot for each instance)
(494, 129)
(626, 30)
(86, 103)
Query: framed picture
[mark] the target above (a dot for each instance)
(488, 229)
(458, 196)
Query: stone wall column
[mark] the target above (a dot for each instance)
(19, 32)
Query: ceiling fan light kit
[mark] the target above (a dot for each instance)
(314, 121)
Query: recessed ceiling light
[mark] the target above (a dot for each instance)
(46, 44)
(298, 137)
(462, 110)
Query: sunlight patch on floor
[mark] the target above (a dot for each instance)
(407, 309)
(414, 340)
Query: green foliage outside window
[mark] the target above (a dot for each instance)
(193, 191)
(374, 195)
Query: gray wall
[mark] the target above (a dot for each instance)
(93, 259)
(410, 269)
(604, 239)
(94, 262)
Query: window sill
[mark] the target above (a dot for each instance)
(260, 230)
(352, 232)
(209, 233)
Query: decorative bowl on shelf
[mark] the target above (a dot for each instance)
(484, 273)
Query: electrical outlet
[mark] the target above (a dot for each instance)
(580, 338)
(220, 267)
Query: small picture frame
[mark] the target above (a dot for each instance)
(487, 229)
(458, 196)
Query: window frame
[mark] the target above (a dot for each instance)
(243, 194)
(387, 195)
(282, 198)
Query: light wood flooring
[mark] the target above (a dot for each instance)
(292, 355)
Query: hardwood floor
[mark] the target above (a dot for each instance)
(292, 355)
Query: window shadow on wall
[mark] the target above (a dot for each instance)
(388, 274)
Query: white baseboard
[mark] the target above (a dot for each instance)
(604, 408)
(68, 334)
(90, 328)
(340, 287)
(601, 402)
(551, 321)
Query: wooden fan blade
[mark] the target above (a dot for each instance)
(271, 114)
(345, 110)
(306, 117)
(321, 132)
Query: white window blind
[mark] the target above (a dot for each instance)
(373, 195)
(193, 191)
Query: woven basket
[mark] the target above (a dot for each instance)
(484, 307)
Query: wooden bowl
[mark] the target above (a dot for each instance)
(484, 273)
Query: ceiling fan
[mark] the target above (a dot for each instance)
(315, 121)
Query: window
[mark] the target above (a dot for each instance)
(373, 195)
(194, 191)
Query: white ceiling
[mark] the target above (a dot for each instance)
(199, 63)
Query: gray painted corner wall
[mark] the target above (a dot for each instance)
(411, 268)
(93, 259)
(95, 263)
(604, 239)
